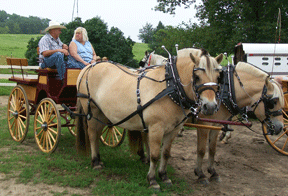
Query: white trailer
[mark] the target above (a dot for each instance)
(272, 58)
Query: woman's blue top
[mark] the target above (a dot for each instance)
(84, 51)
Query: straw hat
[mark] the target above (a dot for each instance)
(54, 25)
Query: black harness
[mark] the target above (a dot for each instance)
(174, 89)
(228, 98)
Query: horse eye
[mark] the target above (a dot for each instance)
(196, 78)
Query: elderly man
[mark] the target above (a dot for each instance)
(52, 50)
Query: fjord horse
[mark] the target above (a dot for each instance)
(266, 104)
(152, 59)
(108, 93)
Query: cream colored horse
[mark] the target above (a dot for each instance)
(253, 80)
(108, 94)
(152, 59)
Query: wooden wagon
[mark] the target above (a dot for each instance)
(43, 97)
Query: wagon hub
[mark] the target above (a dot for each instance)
(44, 126)
(15, 114)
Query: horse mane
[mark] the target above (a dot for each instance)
(251, 69)
(258, 73)
(277, 92)
(186, 52)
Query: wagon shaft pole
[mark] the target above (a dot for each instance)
(226, 122)
(202, 126)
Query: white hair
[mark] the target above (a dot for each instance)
(84, 33)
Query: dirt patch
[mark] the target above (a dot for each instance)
(12, 188)
(247, 165)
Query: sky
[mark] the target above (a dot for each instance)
(128, 15)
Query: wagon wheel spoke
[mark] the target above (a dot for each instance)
(18, 114)
(71, 122)
(115, 131)
(47, 125)
(113, 136)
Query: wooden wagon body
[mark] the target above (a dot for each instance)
(43, 97)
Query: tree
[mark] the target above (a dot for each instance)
(227, 22)
(19, 24)
(31, 52)
(146, 33)
(169, 6)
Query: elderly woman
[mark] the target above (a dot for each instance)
(81, 50)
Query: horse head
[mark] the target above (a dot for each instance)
(268, 109)
(203, 73)
(152, 59)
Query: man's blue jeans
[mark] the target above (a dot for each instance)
(55, 60)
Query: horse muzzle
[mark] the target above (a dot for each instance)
(208, 108)
(275, 128)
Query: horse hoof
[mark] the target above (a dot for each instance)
(215, 179)
(98, 167)
(168, 183)
(180, 135)
(155, 187)
(224, 142)
(203, 181)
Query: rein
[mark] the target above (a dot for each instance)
(167, 91)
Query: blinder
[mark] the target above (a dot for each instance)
(198, 89)
(269, 103)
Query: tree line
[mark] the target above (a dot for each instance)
(15, 24)
(222, 24)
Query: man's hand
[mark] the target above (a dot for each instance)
(64, 51)
(64, 46)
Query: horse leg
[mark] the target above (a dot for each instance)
(226, 138)
(94, 133)
(212, 151)
(180, 133)
(202, 135)
(155, 138)
(165, 155)
(146, 143)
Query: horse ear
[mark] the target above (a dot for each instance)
(146, 53)
(219, 58)
(267, 80)
(195, 59)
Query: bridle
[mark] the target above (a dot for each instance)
(147, 60)
(198, 89)
(269, 103)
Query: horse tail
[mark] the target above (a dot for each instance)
(135, 141)
(81, 128)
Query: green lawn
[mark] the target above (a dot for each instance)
(14, 45)
(139, 50)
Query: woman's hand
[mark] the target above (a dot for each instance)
(93, 61)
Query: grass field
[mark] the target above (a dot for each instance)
(14, 45)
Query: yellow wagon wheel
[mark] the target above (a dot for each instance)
(18, 114)
(47, 125)
(278, 142)
(113, 136)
